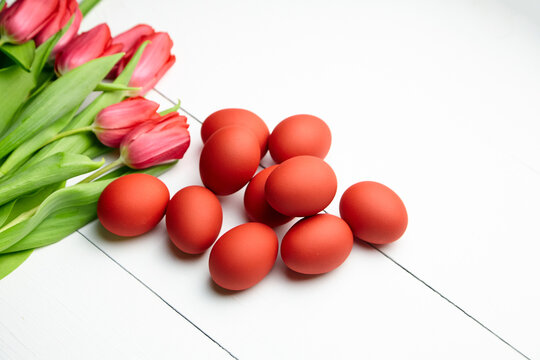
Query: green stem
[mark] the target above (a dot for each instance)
(103, 86)
(68, 133)
(22, 217)
(116, 163)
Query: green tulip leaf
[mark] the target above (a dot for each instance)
(154, 171)
(86, 5)
(9, 262)
(70, 197)
(26, 149)
(22, 55)
(84, 141)
(14, 208)
(56, 100)
(44, 79)
(16, 84)
(5, 210)
(59, 167)
(56, 227)
(95, 150)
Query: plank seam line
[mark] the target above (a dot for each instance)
(157, 295)
(394, 261)
(448, 300)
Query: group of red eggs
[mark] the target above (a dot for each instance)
(302, 185)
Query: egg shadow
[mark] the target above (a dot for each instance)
(179, 254)
(294, 276)
(109, 236)
(236, 201)
(245, 217)
(222, 291)
(372, 247)
(364, 244)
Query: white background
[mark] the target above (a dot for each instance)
(437, 99)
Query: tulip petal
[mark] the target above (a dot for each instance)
(67, 9)
(25, 18)
(177, 117)
(161, 72)
(130, 41)
(112, 137)
(127, 113)
(85, 47)
(114, 122)
(113, 49)
(154, 63)
(173, 149)
(155, 148)
(131, 37)
(54, 24)
(153, 143)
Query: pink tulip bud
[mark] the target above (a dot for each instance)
(25, 18)
(155, 61)
(66, 10)
(87, 46)
(129, 39)
(153, 143)
(114, 122)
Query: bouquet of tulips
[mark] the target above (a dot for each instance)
(47, 71)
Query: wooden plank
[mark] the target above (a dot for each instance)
(69, 301)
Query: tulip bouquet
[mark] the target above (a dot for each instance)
(47, 71)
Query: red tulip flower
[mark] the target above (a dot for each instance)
(131, 37)
(114, 122)
(87, 46)
(155, 61)
(153, 143)
(129, 40)
(66, 10)
(22, 21)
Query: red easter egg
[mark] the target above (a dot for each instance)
(374, 212)
(243, 256)
(301, 186)
(239, 117)
(257, 208)
(317, 244)
(229, 159)
(133, 204)
(299, 135)
(193, 219)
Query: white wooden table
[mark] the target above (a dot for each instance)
(437, 99)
